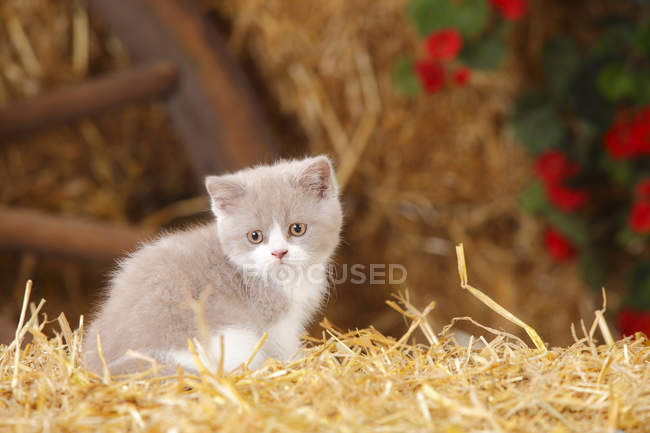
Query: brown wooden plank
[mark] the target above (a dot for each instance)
(87, 98)
(214, 110)
(22, 229)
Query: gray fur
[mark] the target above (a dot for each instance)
(145, 307)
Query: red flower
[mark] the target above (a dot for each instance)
(431, 73)
(629, 135)
(553, 166)
(511, 10)
(631, 321)
(567, 199)
(641, 132)
(640, 218)
(618, 143)
(558, 246)
(444, 44)
(461, 75)
(643, 190)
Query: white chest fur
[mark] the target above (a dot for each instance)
(306, 294)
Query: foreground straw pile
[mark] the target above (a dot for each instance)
(355, 381)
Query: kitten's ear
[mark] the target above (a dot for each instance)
(318, 177)
(224, 192)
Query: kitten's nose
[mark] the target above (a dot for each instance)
(279, 253)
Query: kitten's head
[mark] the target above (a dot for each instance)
(286, 214)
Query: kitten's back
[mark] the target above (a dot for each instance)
(147, 301)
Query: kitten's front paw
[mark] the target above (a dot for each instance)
(238, 345)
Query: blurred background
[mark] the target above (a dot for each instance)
(518, 127)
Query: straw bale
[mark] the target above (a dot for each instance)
(119, 167)
(419, 175)
(415, 178)
(357, 381)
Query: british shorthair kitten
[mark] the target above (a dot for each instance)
(261, 266)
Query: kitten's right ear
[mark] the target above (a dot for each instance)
(318, 176)
(223, 192)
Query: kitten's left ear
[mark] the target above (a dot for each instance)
(318, 176)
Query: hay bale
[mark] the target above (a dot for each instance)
(120, 167)
(420, 175)
(347, 381)
(415, 171)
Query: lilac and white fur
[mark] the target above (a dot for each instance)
(248, 288)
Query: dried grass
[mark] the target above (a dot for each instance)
(120, 167)
(346, 382)
(420, 175)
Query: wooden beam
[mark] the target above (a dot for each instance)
(87, 98)
(7, 330)
(22, 229)
(213, 109)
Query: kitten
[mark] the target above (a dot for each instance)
(262, 265)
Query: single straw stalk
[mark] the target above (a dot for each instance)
(462, 270)
(19, 334)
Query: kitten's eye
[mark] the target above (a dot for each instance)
(297, 229)
(255, 237)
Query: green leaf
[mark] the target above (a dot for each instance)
(537, 124)
(642, 94)
(469, 16)
(639, 286)
(625, 236)
(485, 53)
(573, 227)
(425, 16)
(642, 38)
(584, 100)
(472, 17)
(592, 267)
(404, 78)
(615, 83)
(561, 61)
(618, 37)
(621, 172)
(533, 198)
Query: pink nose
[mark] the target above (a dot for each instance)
(279, 253)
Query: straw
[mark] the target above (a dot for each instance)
(462, 270)
(414, 170)
(357, 380)
(18, 339)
